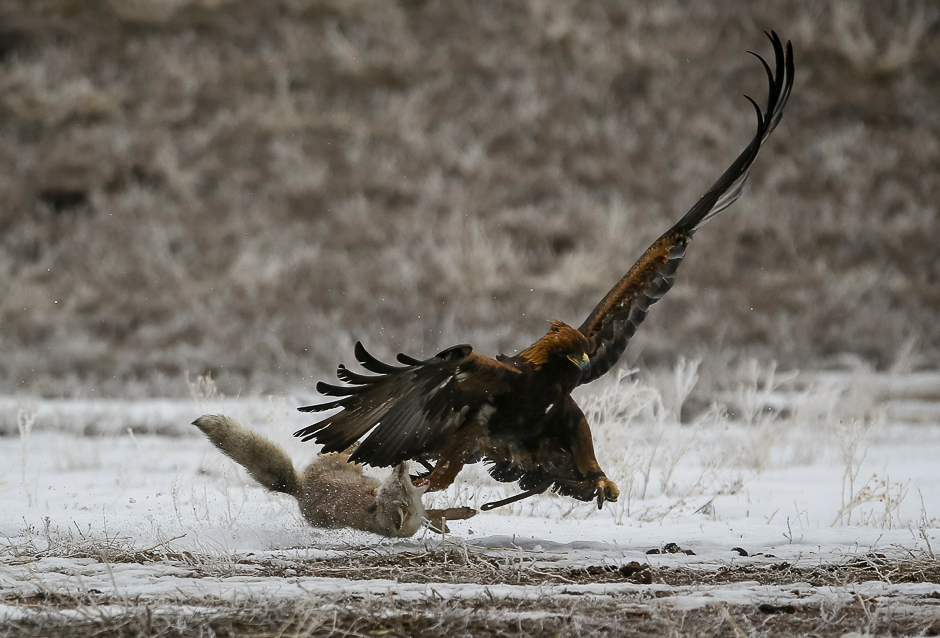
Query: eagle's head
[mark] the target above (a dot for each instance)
(563, 349)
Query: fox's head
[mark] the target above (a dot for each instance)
(398, 504)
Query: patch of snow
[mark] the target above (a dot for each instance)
(130, 491)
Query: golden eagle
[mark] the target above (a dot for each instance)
(516, 412)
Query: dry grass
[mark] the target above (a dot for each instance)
(246, 188)
(480, 617)
(645, 609)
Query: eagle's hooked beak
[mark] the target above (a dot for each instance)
(584, 363)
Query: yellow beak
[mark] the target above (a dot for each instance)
(584, 363)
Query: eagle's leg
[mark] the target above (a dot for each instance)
(582, 448)
(462, 448)
(444, 474)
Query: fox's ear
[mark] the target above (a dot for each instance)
(398, 518)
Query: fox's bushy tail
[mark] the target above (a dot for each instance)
(265, 461)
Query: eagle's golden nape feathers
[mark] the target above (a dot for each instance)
(516, 412)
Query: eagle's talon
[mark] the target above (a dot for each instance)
(606, 491)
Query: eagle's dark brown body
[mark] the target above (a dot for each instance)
(529, 428)
(516, 412)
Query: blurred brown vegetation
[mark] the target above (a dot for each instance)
(247, 187)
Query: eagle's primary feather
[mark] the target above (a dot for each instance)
(516, 412)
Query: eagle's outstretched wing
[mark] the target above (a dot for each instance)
(613, 321)
(414, 407)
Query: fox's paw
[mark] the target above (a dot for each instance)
(437, 519)
(606, 491)
(459, 513)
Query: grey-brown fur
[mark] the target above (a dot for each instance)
(331, 491)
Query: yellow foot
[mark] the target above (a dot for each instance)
(606, 491)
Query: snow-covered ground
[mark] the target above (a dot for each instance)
(820, 476)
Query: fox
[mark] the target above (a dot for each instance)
(331, 491)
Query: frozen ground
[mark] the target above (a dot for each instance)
(793, 506)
